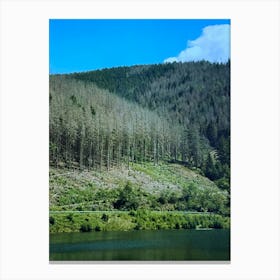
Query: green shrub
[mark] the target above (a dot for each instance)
(177, 226)
(217, 224)
(70, 217)
(97, 228)
(185, 225)
(132, 213)
(135, 220)
(105, 217)
(128, 197)
(86, 228)
(137, 227)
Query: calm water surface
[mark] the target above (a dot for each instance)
(141, 245)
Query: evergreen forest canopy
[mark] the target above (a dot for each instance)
(177, 112)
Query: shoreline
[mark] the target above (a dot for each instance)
(134, 220)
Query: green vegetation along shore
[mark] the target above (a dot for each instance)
(147, 196)
(133, 220)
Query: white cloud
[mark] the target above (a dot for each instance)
(213, 45)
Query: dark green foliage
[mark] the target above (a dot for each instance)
(224, 149)
(70, 217)
(105, 217)
(128, 198)
(177, 226)
(51, 220)
(212, 134)
(210, 169)
(97, 228)
(137, 227)
(217, 225)
(86, 227)
(92, 111)
(187, 91)
(163, 198)
(223, 183)
(73, 99)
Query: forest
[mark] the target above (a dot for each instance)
(177, 112)
(145, 118)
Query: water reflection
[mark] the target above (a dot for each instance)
(142, 245)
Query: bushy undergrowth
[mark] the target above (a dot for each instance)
(133, 220)
(165, 188)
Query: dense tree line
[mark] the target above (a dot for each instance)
(93, 128)
(175, 112)
(193, 93)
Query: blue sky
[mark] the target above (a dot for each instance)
(82, 45)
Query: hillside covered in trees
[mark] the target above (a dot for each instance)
(177, 112)
(168, 123)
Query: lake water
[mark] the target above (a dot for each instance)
(161, 245)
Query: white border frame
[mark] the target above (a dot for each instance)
(24, 138)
